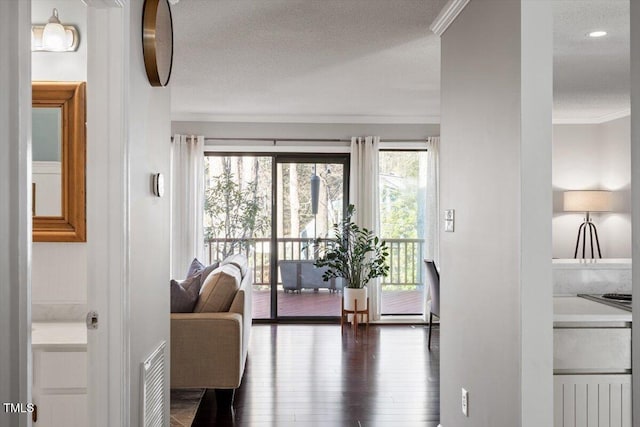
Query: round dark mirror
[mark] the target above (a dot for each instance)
(157, 41)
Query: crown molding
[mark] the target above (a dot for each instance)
(593, 120)
(105, 4)
(615, 115)
(447, 15)
(292, 118)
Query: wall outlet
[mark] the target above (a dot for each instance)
(465, 402)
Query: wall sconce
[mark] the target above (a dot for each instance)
(587, 201)
(54, 37)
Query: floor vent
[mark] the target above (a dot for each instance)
(153, 388)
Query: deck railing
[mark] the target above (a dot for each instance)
(405, 256)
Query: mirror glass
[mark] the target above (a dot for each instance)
(47, 161)
(164, 42)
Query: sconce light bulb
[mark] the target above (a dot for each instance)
(54, 36)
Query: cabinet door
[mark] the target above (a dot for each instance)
(593, 349)
(60, 387)
(592, 400)
(68, 410)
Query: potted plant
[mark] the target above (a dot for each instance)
(356, 255)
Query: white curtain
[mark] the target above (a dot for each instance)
(432, 237)
(432, 250)
(363, 194)
(187, 202)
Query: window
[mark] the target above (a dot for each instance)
(277, 238)
(402, 186)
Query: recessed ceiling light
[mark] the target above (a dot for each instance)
(596, 34)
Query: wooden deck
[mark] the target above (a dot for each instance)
(324, 303)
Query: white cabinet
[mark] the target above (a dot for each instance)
(592, 400)
(60, 374)
(591, 364)
(592, 350)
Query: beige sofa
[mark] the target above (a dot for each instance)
(209, 349)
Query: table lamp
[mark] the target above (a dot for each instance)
(587, 201)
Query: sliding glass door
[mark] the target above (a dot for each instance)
(310, 199)
(402, 186)
(237, 218)
(276, 209)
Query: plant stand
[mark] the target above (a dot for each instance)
(356, 315)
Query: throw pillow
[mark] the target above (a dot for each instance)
(184, 299)
(205, 273)
(195, 267)
(184, 294)
(219, 289)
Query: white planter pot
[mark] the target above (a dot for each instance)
(351, 295)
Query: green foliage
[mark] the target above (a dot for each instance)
(354, 254)
(234, 212)
(400, 216)
(330, 197)
(400, 195)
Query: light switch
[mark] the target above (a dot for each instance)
(449, 220)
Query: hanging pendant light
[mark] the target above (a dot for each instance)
(54, 36)
(315, 192)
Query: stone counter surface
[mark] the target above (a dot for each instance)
(600, 276)
(576, 309)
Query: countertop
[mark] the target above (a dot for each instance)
(58, 335)
(576, 309)
(601, 263)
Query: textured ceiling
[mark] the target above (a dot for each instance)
(306, 60)
(367, 60)
(591, 76)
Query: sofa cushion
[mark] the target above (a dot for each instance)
(198, 267)
(185, 293)
(205, 273)
(239, 260)
(219, 289)
(195, 268)
(183, 299)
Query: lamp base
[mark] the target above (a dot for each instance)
(582, 232)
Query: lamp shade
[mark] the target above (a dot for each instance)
(587, 201)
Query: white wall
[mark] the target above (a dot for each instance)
(635, 189)
(67, 66)
(495, 170)
(60, 269)
(149, 153)
(59, 273)
(15, 208)
(305, 130)
(594, 156)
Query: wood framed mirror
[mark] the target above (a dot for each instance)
(58, 169)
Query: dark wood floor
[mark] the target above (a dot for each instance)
(311, 375)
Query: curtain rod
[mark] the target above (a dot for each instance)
(274, 140)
